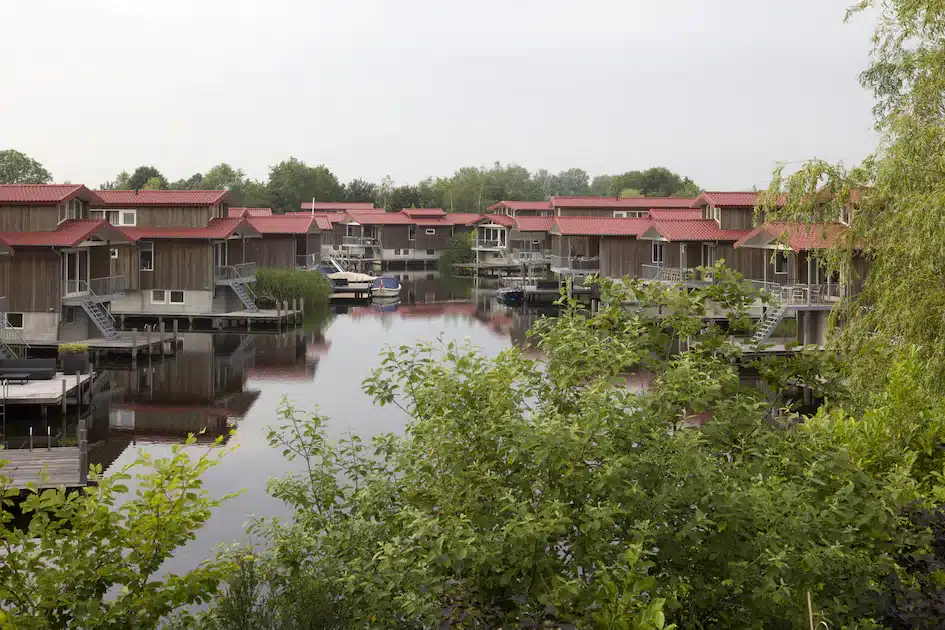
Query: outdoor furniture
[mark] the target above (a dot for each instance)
(27, 369)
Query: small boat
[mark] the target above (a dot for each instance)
(511, 296)
(344, 279)
(385, 287)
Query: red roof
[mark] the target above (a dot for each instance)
(797, 236)
(250, 212)
(534, 224)
(462, 218)
(295, 224)
(424, 212)
(644, 203)
(499, 219)
(171, 198)
(674, 214)
(600, 226)
(11, 194)
(381, 218)
(331, 217)
(322, 223)
(729, 199)
(694, 230)
(216, 229)
(67, 234)
(338, 206)
(521, 205)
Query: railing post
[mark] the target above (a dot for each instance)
(83, 453)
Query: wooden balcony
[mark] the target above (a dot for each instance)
(230, 274)
(95, 289)
(575, 265)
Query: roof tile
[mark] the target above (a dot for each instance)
(521, 205)
(282, 224)
(674, 214)
(42, 193)
(534, 224)
(600, 226)
(644, 203)
(797, 236)
(170, 198)
(250, 212)
(216, 229)
(692, 230)
(67, 234)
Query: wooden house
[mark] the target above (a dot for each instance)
(491, 242)
(678, 247)
(60, 279)
(516, 209)
(286, 242)
(530, 240)
(606, 246)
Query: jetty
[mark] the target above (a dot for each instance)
(48, 467)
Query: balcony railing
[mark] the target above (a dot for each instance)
(489, 243)
(676, 275)
(803, 294)
(360, 241)
(520, 256)
(307, 261)
(97, 287)
(231, 273)
(575, 264)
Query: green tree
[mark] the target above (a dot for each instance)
(91, 559)
(654, 182)
(360, 190)
(19, 168)
(404, 197)
(155, 183)
(601, 186)
(191, 183)
(143, 174)
(256, 194)
(292, 181)
(573, 181)
(119, 183)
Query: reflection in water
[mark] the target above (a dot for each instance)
(226, 381)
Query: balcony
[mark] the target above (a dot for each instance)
(799, 295)
(489, 244)
(229, 274)
(360, 241)
(96, 289)
(575, 265)
(307, 261)
(676, 275)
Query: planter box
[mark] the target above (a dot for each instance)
(73, 363)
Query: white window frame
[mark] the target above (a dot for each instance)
(656, 253)
(123, 214)
(431, 231)
(147, 246)
(163, 300)
(22, 320)
(620, 214)
(351, 230)
(113, 253)
(411, 232)
(782, 258)
(170, 297)
(717, 215)
(707, 254)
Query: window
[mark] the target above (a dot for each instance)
(146, 254)
(430, 231)
(129, 217)
(620, 214)
(177, 297)
(351, 230)
(536, 242)
(707, 252)
(68, 314)
(114, 253)
(717, 215)
(658, 253)
(15, 320)
(431, 252)
(412, 232)
(121, 418)
(780, 263)
(158, 296)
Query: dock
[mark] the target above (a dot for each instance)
(128, 344)
(49, 467)
(46, 393)
(262, 319)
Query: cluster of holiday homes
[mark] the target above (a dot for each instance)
(73, 258)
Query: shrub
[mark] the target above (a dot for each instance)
(73, 348)
(282, 285)
(458, 251)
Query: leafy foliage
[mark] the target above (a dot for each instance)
(293, 181)
(458, 251)
(285, 285)
(90, 559)
(146, 176)
(19, 168)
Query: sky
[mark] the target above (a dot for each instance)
(716, 90)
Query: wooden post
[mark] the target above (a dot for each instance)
(147, 330)
(161, 337)
(31, 437)
(134, 348)
(175, 336)
(83, 453)
(48, 437)
(64, 404)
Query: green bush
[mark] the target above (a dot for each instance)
(458, 251)
(73, 348)
(284, 285)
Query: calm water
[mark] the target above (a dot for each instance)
(319, 367)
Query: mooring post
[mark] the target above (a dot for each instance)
(134, 348)
(48, 439)
(148, 338)
(83, 454)
(31, 437)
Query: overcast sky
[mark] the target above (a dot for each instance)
(719, 90)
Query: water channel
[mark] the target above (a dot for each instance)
(238, 380)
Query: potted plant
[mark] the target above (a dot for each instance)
(75, 358)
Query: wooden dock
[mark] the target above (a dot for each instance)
(264, 318)
(61, 466)
(45, 393)
(128, 344)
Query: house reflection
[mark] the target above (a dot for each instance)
(201, 389)
(292, 356)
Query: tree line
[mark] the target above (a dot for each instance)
(469, 189)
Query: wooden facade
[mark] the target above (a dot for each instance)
(43, 218)
(180, 264)
(275, 251)
(623, 256)
(31, 280)
(163, 216)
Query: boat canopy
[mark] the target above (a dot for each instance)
(386, 282)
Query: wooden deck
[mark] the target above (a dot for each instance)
(127, 344)
(45, 392)
(45, 468)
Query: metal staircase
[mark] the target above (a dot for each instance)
(246, 295)
(12, 345)
(102, 319)
(770, 321)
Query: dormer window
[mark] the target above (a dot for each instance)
(845, 215)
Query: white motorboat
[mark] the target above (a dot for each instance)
(385, 287)
(344, 279)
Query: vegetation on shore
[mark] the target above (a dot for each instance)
(285, 285)
(458, 251)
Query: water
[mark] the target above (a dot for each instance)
(321, 366)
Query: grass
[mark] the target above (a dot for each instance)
(284, 285)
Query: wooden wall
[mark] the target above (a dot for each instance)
(395, 237)
(437, 241)
(29, 218)
(31, 280)
(180, 264)
(127, 264)
(747, 261)
(588, 212)
(623, 255)
(738, 218)
(275, 251)
(149, 216)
